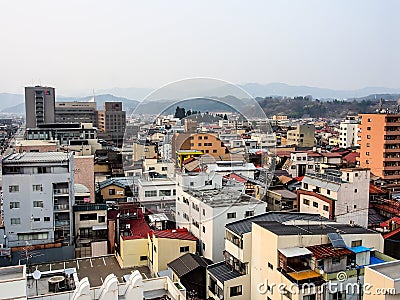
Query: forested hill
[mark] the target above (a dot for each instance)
(304, 107)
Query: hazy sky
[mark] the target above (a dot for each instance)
(78, 46)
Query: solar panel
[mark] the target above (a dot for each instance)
(336, 240)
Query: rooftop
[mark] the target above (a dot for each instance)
(313, 229)
(187, 263)
(96, 269)
(389, 269)
(179, 234)
(11, 273)
(222, 272)
(327, 250)
(244, 226)
(36, 157)
(223, 197)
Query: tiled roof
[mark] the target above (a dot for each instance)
(180, 234)
(373, 189)
(351, 157)
(222, 272)
(187, 263)
(327, 250)
(387, 222)
(390, 234)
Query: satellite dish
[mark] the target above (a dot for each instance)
(36, 274)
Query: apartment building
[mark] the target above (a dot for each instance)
(230, 278)
(76, 112)
(348, 132)
(302, 162)
(204, 207)
(157, 191)
(311, 255)
(38, 196)
(112, 122)
(341, 195)
(39, 106)
(302, 136)
(380, 145)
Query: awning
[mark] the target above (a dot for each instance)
(99, 227)
(294, 251)
(359, 249)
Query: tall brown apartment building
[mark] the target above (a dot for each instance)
(111, 122)
(380, 145)
(39, 105)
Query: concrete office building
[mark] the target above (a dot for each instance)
(76, 112)
(302, 136)
(348, 132)
(39, 105)
(112, 122)
(38, 196)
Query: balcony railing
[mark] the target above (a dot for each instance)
(58, 207)
(61, 191)
(63, 223)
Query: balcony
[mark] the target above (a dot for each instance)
(64, 191)
(392, 132)
(61, 207)
(63, 223)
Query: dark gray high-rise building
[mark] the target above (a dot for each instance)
(39, 105)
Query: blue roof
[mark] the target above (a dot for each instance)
(359, 249)
(374, 260)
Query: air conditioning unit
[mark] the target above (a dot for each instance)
(127, 226)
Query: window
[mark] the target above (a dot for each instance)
(191, 183)
(37, 188)
(355, 190)
(184, 249)
(310, 167)
(270, 266)
(164, 168)
(214, 151)
(305, 185)
(14, 205)
(13, 188)
(204, 246)
(306, 201)
(368, 144)
(206, 137)
(37, 203)
(199, 144)
(174, 192)
(310, 297)
(155, 248)
(36, 219)
(249, 213)
(208, 182)
(88, 217)
(356, 243)
(102, 219)
(43, 170)
(338, 296)
(328, 192)
(315, 204)
(235, 291)
(150, 193)
(165, 192)
(355, 206)
(33, 236)
(368, 120)
(231, 215)
(204, 212)
(368, 136)
(15, 221)
(46, 219)
(143, 257)
(326, 208)
(200, 137)
(368, 128)
(367, 153)
(111, 191)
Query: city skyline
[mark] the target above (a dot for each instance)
(78, 47)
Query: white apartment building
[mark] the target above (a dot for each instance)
(338, 195)
(156, 190)
(38, 194)
(204, 207)
(348, 133)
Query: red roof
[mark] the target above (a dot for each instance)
(373, 189)
(139, 229)
(180, 234)
(387, 223)
(327, 154)
(351, 157)
(327, 250)
(237, 177)
(390, 234)
(300, 178)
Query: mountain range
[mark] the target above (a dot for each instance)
(14, 103)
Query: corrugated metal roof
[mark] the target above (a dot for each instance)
(187, 263)
(327, 251)
(180, 234)
(294, 251)
(222, 272)
(36, 157)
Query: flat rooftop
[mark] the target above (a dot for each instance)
(96, 269)
(223, 197)
(389, 269)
